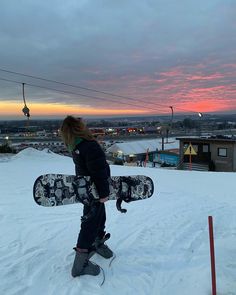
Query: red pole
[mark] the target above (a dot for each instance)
(190, 162)
(212, 252)
(190, 157)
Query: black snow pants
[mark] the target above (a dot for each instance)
(93, 227)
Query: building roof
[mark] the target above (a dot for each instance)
(141, 146)
(208, 139)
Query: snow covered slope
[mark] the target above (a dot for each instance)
(161, 244)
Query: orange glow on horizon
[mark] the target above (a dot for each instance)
(38, 109)
(14, 108)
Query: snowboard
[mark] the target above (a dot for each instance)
(59, 189)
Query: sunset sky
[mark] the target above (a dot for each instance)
(138, 57)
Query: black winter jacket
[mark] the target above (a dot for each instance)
(90, 160)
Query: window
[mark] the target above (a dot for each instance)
(205, 148)
(222, 152)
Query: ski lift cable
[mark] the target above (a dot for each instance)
(80, 87)
(101, 92)
(74, 93)
(69, 92)
(90, 89)
(88, 96)
(84, 95)
(78, 94)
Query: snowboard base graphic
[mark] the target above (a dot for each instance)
(59, 189)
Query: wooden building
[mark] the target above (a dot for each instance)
(213, 153)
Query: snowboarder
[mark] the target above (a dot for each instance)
(89, 160)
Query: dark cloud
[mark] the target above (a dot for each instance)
(124, 47)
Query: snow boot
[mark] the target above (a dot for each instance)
(82, 265)
(101, 248)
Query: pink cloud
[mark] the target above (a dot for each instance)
(205, 78)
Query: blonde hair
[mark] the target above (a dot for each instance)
(72, 128)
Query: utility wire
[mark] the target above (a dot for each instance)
(77, 86)
(74, 93)
(93, 90)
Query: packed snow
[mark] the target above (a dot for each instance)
(141, 146)
(161, 244)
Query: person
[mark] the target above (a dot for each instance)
(89, 160)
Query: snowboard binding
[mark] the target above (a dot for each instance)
(124, 193)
